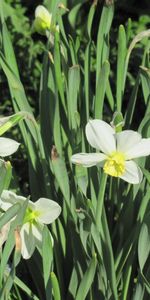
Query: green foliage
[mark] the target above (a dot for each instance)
(101, 240)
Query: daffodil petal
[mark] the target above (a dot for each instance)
(7, 146)
(88, 159)
(37, 230)
(127, 139)
(48, 210)
(100, 135)
(140, 149)
(133, 173)
(42, 12)
(11, 197)
(8, 198)
(43, 15)
(5, 205)
(27, 241)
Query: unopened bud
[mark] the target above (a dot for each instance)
(43, 21)
(17, 240)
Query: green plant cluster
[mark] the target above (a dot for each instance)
(85, 73)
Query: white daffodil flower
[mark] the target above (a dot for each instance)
(43, 211)
(43, 21)
(7, 146)
(118, 151)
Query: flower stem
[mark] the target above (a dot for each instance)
(100, 199)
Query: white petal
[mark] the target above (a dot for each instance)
(9, 198)
(100, 135)
(37, 230)
(140, 149)
(27, 241)
(42, 13)
(133, 173)
(5, 205)
(49, 210)
(88, 159)
(31, 205)
(127, 139)
(7, 146)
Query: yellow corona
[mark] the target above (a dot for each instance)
(31, 216)
(115, 164)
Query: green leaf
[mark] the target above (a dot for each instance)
(73, 14)
(9, 214)
(73, 284)
(47, 256)
(87, 79)
(97, 240)
(108, 256)
(57, 67)
(90, 17)
(7, 122)
(8, 49)
(29, 130)
(120, 66)
(137, 38)
(101, 89)
(145, 79)
(132, 103)
(143, 246)
(144, 204)
(103, 38)
(110, 97)
(139, 292)
(4, 292)
(17, 223)
(6, 174)
(82, 178)
(25, 288)
(61, 174)
(73, 81)
(127, 279)
(129, 30)
(55, 287)
(87, 280)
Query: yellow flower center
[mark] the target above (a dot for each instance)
(115, 164)
(30, 216)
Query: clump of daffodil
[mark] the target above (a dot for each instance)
(43, 211)
(117, 151)
(43, 21)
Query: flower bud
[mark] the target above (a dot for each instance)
(42, 20)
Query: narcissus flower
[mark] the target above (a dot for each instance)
(7, 146)
(118, 151)
(43, 21)
(43, 211)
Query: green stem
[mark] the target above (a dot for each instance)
(100, 199)
(108, 256)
